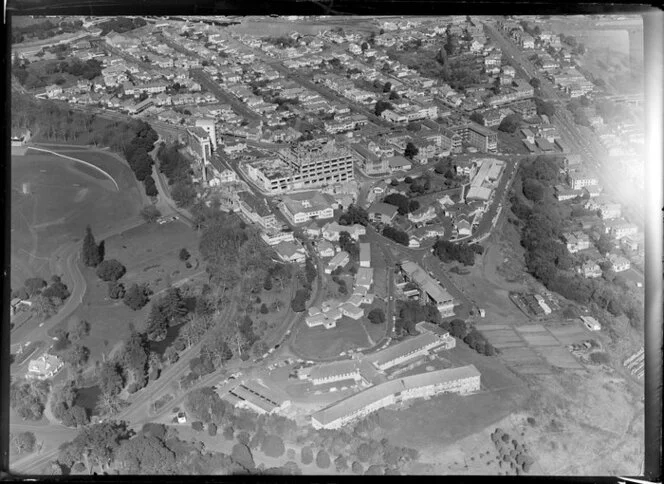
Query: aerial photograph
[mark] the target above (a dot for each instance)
(325, 245)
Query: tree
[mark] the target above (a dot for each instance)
(545, 108)
(242, 455)
(90, 251)
(387, 87)
(376, 316)
(76, 356)
(604, 244)
(398, 200)
(535, 82)
(34, 285)
(394, 96)
(306, 455)
(157, 324)
(184, 254)
(28, 398)
(110, 379)
(150, 214)
(150, 186)
(136, 296)
(382, 106)
(110, 270)
(264, 309)
(397, 235)
(298, 304)
(273, 446)
(322, 459)
(56, 290)
(410, 151)
(146, 454)
(510, 123)
(533, 190)
(357, 468)
(23, 442)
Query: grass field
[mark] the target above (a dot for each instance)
(62, 198)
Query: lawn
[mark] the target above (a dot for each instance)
(269, 326)
(150, 254)
(320, 343)
(61, 200)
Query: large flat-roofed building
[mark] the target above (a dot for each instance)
(429, 287)
(302, 207)
(199, 142)
(482, 138)
(463, 380)
(208, 125)
(308, 164)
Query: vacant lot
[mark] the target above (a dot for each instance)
(60, 198)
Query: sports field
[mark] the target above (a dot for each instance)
(52, 201)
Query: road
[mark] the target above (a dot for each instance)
(207, 82)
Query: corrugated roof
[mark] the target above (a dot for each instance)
(355, 403)
(409, 346)
(335, 368)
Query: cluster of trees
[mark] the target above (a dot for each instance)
(402, 202)
(376, 316)
(64, 407)
(283, 41)
(448, 251)
(511, 452)
(137, 153)
(28, 398)
(544, 107)
(68, 345)
(469, 334)
(22, 442)
(347, 243)
(382, 106)
(177, 169)
(51, 121)
(121, 25)
(510, 123)
(417, 186)
(169, 310)
(399, 236)
(412, 312)
(32, 77)
(547, 258)
(354, 215)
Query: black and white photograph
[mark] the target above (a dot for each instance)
(331, 245)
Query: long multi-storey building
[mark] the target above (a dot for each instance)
(307, 164)
(482, 138)
(463, 380)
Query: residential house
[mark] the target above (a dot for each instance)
(618, 263)
(339, 260)
(46, 366)
(576, 241)
(291, 252)
(382, 212)
(422, 215)
(332, 230)
(590, 269)
(326, 248)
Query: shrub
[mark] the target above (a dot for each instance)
(132, 388)
(78, 467)
(110, 270)
(273, 446)
(306, 455)
(116, 290)
(531, 421)
(212, 429)
(376, 316)
(197, 426)
(264, 309)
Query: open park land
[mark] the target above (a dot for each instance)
(53, 199)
